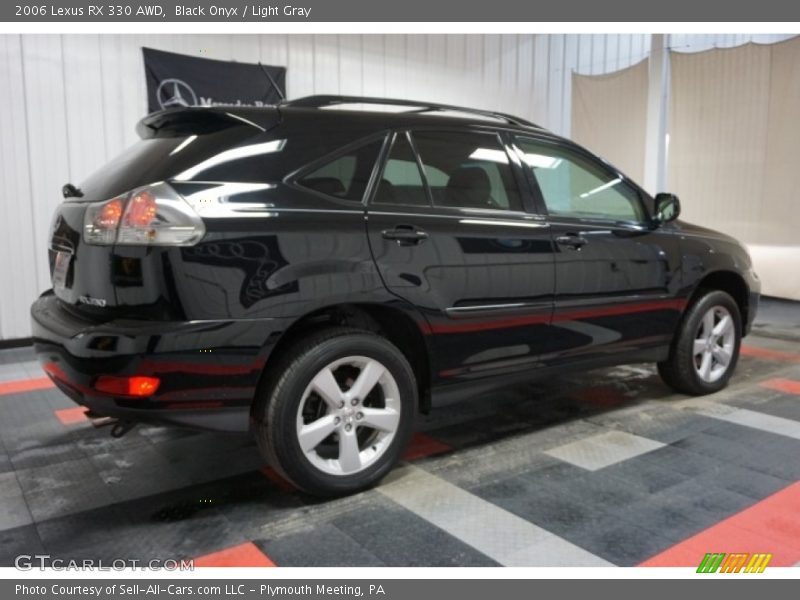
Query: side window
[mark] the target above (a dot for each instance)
(346, 176)
(467, 170)
(572, 186)
(401, 182)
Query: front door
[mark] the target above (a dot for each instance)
(616, 274)
(450, 233)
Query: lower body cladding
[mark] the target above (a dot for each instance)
(204, 373)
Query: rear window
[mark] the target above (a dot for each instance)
(467, 170)
(238, 154)
(158, 159)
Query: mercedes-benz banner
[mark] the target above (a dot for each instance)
(181, 80)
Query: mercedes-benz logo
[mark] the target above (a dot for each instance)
(174, 92)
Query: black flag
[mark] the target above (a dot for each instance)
(181, 80)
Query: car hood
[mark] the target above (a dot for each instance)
(692, 229)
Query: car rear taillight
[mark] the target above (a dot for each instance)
(153, 215)
(101, 221)
(137, 385)
(142, 210)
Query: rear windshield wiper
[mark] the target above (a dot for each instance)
(70, 191)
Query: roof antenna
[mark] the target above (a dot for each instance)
(272, 81)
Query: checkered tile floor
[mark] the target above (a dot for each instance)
(608, 468)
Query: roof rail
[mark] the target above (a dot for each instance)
(322, 101)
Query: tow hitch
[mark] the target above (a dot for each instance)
(118, 427)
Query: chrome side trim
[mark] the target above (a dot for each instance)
(253, 209)
(610, 225)
(531, 224)
(462, 312)
(486, 307)
(490, 217)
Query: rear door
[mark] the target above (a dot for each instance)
(616, 275)
(451, 233)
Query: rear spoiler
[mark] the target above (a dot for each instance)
(199, 119)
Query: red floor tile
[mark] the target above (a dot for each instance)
(768, 354)
(423, 445)
(19, 386)
(243, 555)
(789, 386)
(68, 416)
(769, 526)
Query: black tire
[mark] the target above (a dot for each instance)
(679, 371)
(275, 412)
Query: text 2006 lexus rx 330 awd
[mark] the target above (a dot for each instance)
(318, 276)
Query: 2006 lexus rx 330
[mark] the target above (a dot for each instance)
(319, 276)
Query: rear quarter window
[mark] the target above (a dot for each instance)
(345, 175)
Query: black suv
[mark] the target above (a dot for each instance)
(318, 275)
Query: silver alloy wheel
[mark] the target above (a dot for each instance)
(353, 424)
(714, 343)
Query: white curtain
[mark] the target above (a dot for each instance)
(734, 151)
(609, 116)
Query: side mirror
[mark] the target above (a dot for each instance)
(668, 207)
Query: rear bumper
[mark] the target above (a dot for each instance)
(752, 309)
(208, 370)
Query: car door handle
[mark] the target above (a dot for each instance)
(571, 240)
(405, 235)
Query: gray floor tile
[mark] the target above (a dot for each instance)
(17, 542)
(53, 477)
(552, 507)
(648, 479)
(138, 473)
(397, 537)
(9, 486)
(604, 449)
(49, 504)
(679, 460)
(784, 406)
(495, 532)
(663, 424)
(744, 481)
(5, 463)
(331, 548)
(622, 544)
(15, 512)
(33, 454)
(778, 464)
(20, 370)
(761, 421)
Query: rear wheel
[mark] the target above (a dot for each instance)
(706, 347)
(339, 412)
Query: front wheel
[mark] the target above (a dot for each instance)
(706, 347)
(339, 413)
